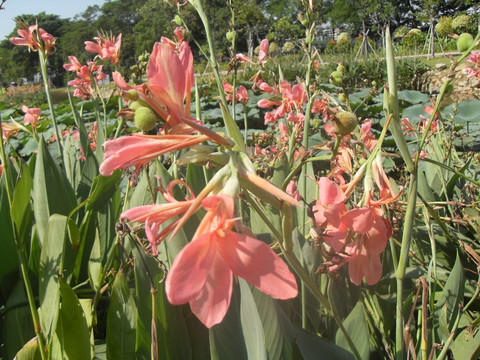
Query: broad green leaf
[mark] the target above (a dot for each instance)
(88, 233)
(102, 190)
(226, 339)
(121, 321)
(412, 96)
(467, 345)
(276, 343)
(75, 334)
(172, 334)
(89, 172)
(251, 324)
(357, 328)
(30, 351)
(313, 347)
(51, 264)
(21, 211)
(95, 264)
(52, 193)
(467, 111)
(446, 306)
(9, 263)
(17, 326)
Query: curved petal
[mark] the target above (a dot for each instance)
(190, 270)
(165, 71)
(359, 220)
(257, 263)
(212, 303)
(329, 192)
(373, 269)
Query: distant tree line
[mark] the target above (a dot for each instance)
(143, 22)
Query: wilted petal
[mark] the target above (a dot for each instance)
(257, 263)
(190, 270)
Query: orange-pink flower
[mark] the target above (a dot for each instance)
(35, 38)
(107, 47)
(202, 272)
(31, 115)
(137, 150)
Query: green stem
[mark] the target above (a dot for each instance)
(43, 68)
(402, 262)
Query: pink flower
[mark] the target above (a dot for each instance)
(202, 273)
(373, 232)
(74, 64)
(262, 54)
(329, 206)
(31, 115)
(137, 150)
(106, 46)
(35, 38)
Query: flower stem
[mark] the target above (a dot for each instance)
(43, 68)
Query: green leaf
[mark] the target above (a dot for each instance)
(17, 326)
(21, 209)
(75, 335)
(413, 96)
(121, 321)
(232, 130)
(30, 351)
(102, 190)
(251, 324)
(51, 264)
(172, 334)
(226, 339)
(446, 307)
(357, 328)
(467, 345)
(52, 193)
(9, 263)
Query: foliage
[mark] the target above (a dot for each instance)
(463, 23)
(444, 26)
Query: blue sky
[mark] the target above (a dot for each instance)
(63, 8)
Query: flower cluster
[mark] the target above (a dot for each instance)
(86, 76)
(37, 39)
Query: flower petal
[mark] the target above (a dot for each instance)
(329, 192)
(257, 263)
(212, 303)
(190, 270)
(359, 220)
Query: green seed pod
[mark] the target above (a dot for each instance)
(336, 78)
(342, 98)
(145, 118)
(464, 41)
(341, 69)
(138, 104)
(345, 122)
(132, 94)
(178, 20)
(230, 35)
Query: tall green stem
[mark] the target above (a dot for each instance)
(43, 68)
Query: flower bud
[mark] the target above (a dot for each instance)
(132, 94)
(341, 69)
(342, 98)
(178, 20)
(464, 41)
(345, 122)
(145, 118)
(230, 35)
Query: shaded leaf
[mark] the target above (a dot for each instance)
(357, 328)
(121, 321)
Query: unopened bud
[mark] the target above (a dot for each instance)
(336, 78)
(178, 20)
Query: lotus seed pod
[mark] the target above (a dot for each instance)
(345, 122)
(132, 94)
(336, 78)
(145, 118)
(178, 20)
(230, 35)
(341, 69)
(464, 41)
